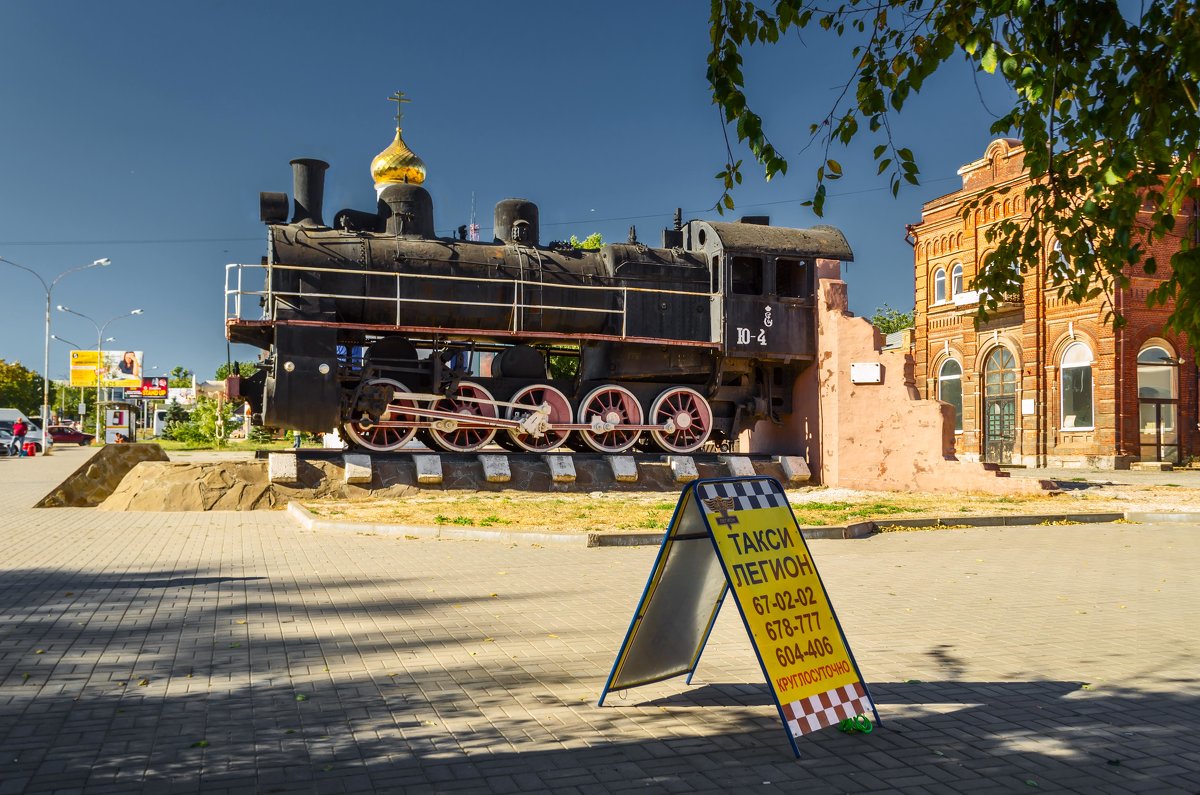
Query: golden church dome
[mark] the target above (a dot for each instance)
(397, 163)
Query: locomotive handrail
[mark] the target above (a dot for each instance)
(518, 285)
(477, 279)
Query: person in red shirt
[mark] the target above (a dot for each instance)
(18, 443)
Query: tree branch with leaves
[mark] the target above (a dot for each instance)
(1105, 106)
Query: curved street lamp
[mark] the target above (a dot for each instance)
(49, 288)
(100, 327)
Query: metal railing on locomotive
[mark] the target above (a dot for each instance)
(538, 421)
(233, 296)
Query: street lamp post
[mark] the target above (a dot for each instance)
(49, 288)
(100, 327)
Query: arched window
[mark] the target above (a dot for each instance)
(939, 286)
(956, 280)
(1077, 387)
(1158, 402)
(1068, 266)
(950, 389)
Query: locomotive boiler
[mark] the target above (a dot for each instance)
(375, 325)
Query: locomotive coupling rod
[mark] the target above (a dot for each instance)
(432, 397)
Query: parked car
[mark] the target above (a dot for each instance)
(61, 434)
(6, 440)
(33, 434)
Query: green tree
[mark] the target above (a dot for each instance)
(179, 376)
(20, 387)
(175, 422)
(245, 369)
(1105, 103)
(889, 320)
(593, 241)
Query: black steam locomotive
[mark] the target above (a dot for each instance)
(377, 326)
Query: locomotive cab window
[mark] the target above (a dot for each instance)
(792, 278)
(716, 275)
(746, 276)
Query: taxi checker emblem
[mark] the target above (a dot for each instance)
(722, 505)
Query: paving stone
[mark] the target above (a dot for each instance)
(740, 466)
(357, 467)
(683, 467)
(624, 468)
(465, 666)
(562, 468)
(429, 468)
(281, 467)
(795, 469)
(495, 468)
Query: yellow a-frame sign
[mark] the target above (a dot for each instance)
(739, 535)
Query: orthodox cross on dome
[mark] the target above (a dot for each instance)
(399, 99)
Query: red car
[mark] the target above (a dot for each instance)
(61, 434)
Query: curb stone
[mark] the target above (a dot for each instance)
(309, 521)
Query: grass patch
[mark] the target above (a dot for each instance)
(648, 511)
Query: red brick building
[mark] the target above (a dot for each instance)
(1045, 382)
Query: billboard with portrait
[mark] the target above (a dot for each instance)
(115, 368)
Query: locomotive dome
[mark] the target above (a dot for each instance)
(397, 164)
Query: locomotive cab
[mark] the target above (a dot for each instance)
(763, 281)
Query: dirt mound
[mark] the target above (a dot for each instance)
(164, 486)
(89, 485)
(216, 486)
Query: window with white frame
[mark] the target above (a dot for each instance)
(950, 389)
(1157, 374)
(956, 279)
(1077, 388)
(939, 286)
(1068, 267)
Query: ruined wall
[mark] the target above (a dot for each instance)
(872, 436)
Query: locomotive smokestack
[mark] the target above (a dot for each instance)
(308, 190)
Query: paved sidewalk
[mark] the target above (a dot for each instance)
(234, 652)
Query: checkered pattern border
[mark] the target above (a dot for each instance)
(748, 495)
(825, 709)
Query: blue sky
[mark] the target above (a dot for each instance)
(143, 132)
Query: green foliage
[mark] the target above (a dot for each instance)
(261, 435)
(20, 387)
(207, 422)
(564, 365)
(889, 320)
(245, 369)
(175, 422)
(197, 426)
(179, 376)
(593, 241)
(1105, 106)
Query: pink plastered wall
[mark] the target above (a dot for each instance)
(871, 436)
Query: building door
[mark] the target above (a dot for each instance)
(999, 406)
(1158, 403)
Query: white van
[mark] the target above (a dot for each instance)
(34, 435)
